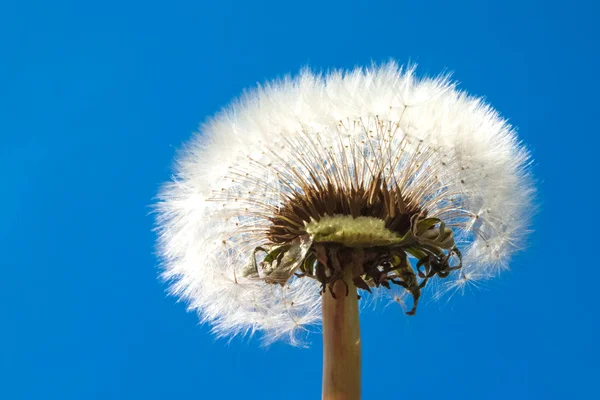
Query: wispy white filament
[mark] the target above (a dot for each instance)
(456, 154)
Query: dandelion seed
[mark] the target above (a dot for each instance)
(365, 179)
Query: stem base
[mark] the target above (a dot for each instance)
(341, 342)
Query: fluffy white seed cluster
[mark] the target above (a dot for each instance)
(452, 151)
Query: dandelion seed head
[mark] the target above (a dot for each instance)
(378, 145)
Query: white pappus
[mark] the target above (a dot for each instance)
(450, 155)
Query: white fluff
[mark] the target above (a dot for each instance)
(206, 215)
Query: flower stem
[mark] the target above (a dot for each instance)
(341, 342)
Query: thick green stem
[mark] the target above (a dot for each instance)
(341, 342)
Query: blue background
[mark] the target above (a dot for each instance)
(95, 98)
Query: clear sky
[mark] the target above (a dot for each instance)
(95, 98)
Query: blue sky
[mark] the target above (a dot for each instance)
(95, 98)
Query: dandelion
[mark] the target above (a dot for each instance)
(309, 192)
